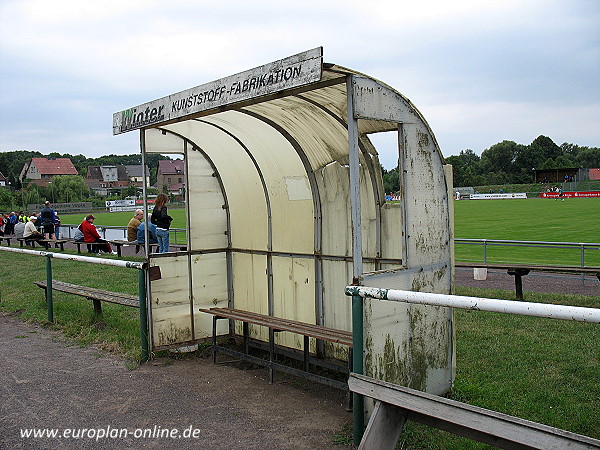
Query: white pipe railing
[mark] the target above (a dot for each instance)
(576, 313)
(88, 259)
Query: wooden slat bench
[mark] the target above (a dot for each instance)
(27, 241)
(7, 239)
(519, 270)
(96, 295)
(275, 325)
(121, 243)
(57, 243)
(396, 404)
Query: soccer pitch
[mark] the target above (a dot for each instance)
(573, 220)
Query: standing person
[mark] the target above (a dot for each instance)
(91, 236)
(162, 220)
(56, 226)
(31, 233)
(47, 220)
(11, 221)
(133, 225)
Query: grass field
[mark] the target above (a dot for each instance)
(574, 220)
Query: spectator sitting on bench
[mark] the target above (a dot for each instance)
(151, 232)
(31, 233)
(19, 229)
(134, 223)
(91, 236)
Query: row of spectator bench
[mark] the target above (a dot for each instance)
(91, 248)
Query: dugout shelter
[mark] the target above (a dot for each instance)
(285, 207)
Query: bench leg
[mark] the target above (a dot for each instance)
(271, 354)
(214, 340)
(384, 427)
(246, 329)
(118, 250)
(306, 352)
(97, 306)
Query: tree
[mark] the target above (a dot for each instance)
(500, 157)
(391, 180)
(465, 167)
(68, 188)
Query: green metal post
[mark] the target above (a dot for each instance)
(49, 301)
(143, 315)
(358, 406)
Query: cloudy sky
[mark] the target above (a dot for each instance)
(479, 71)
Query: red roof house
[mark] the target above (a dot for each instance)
(41, 170)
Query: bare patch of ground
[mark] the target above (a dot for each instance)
(45, 383)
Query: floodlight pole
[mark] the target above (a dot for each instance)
(357, 302)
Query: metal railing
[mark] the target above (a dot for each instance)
(140, 266)
(485, 243)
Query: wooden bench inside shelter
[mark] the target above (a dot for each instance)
(397, 404)
(276, 325)
(96, 295)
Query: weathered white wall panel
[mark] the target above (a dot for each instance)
(250, 287)
(156, 142)
(206, 202)
(407, 344)
(243, 187)
(392, 239)
(293, 294)
(170, 302)
(209, 285)
(285, 177)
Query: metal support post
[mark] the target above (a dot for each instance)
(143, 315)
(358, 419)
(49, 302)
(357, 302)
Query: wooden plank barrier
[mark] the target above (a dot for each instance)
(397, 404)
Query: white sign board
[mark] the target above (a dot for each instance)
(110, 203)
(496, 196)
(293, 71)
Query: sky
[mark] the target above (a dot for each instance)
(480, 72)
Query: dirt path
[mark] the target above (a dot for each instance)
(45, 383)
